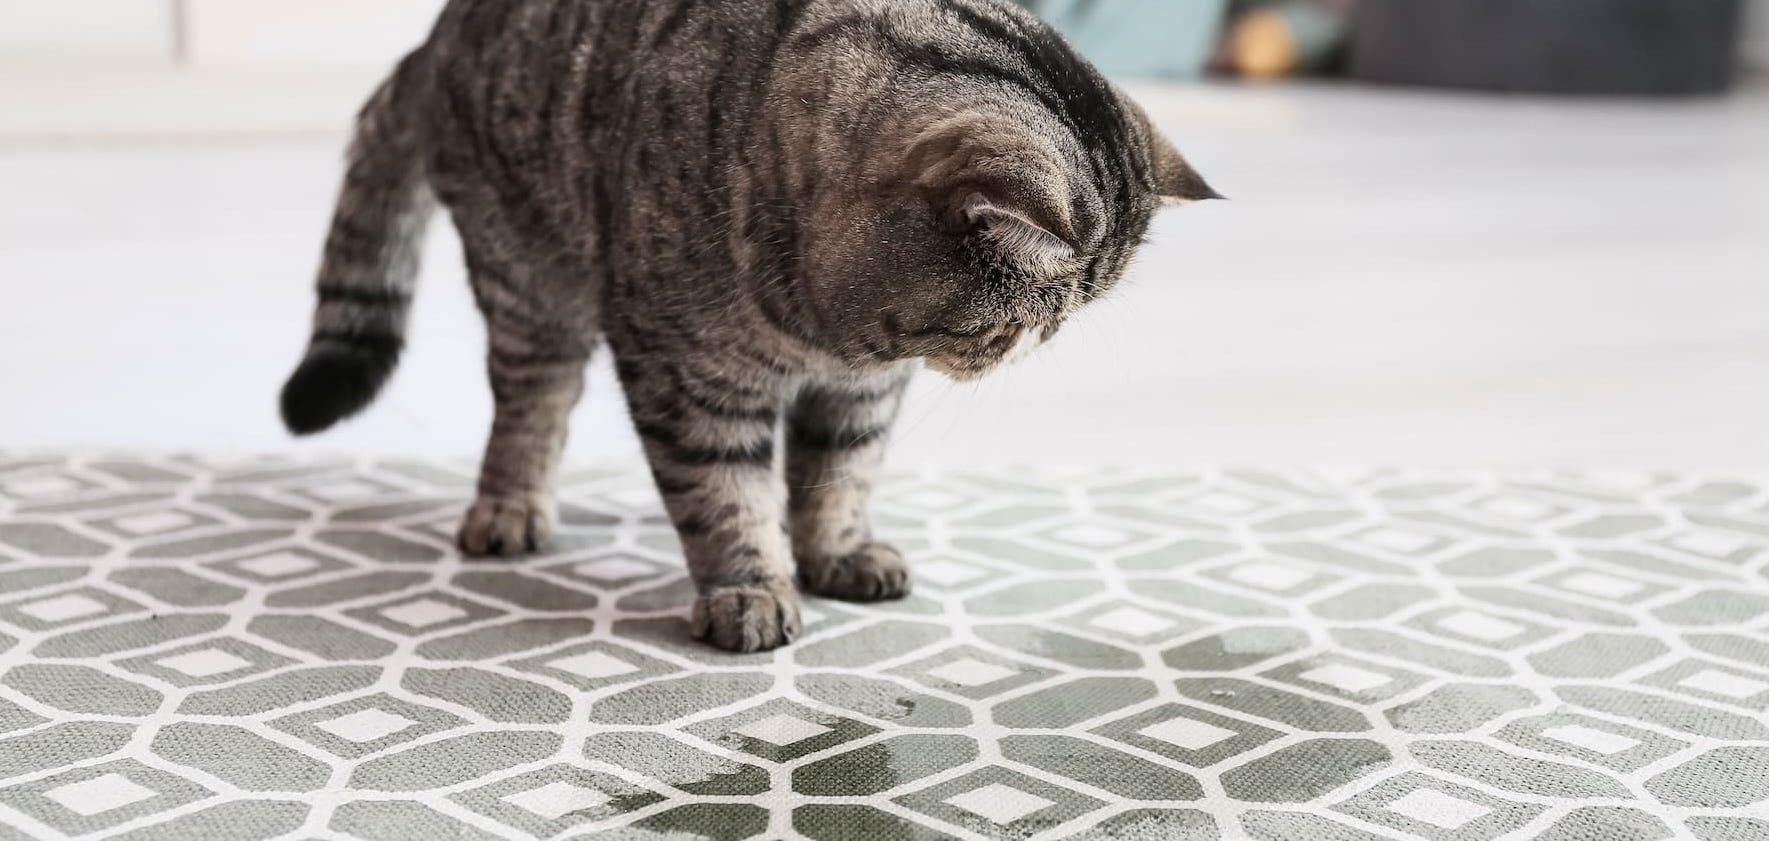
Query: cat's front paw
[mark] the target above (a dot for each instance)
(506, 525)
(747, 617)
(875, 572)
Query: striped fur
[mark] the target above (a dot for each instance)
(771, 211)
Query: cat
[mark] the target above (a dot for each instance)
(771, 212)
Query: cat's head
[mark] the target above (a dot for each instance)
(986, 215)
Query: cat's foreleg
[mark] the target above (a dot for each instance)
(710, 442)
(835, 440)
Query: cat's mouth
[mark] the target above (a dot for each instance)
(972, 356)
(961, 353)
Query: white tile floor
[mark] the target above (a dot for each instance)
(1400, 279)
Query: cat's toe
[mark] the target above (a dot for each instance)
(875, 572)
(505, 527)
(750, 617)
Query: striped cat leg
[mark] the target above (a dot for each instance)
(835, 440)
(711, 447)
(537, 376)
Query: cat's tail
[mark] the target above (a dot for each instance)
(370, 266)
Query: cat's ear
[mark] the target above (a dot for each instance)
(985, 175)
(1176, 182)
(1014, 234)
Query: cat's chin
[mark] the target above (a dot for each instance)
(960, 370)
(969, 368)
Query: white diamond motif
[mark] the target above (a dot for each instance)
(344, 491)
(63, 608)
(278, 565)
(782, 730)
(1724, 683)
(99, 794)
(1269, 576)
(594, 665)
(1443, 811)
(1480, 626)
(40, 486)
(613, 569)
(1591, 739)
(1131, 621)
(999, 804)
(365, 726)
(154, 523)
(1346, 678)
(1188, 733)
(424, 613)
(971, 672)
(206, 662)
(1601, 586)
(557, 799)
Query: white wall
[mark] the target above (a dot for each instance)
(121, 30)
(305, 33)
(258, 34)
(181, 68)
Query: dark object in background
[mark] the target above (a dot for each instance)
(1269, 39)
(1550, 46)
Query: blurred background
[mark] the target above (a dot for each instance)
(1509, 233)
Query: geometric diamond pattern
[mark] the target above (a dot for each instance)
(781, 731)
(99, 794)
(190, 646)
(203, 662)
(1428, 805)
(556, 799)
(971, 673)
(999, 804)
(364, 726)
(206, 662)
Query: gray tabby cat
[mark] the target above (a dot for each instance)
(769, 210)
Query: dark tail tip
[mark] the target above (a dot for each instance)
(332, 384)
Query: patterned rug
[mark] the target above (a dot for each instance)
(267, 648)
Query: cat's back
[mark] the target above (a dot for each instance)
(496, 67)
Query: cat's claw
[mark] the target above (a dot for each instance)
(504, 527)
(873, 573)
(749, 617)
